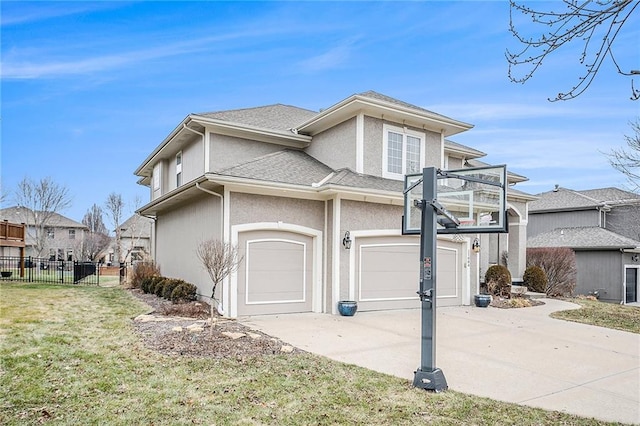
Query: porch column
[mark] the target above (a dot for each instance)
(517, 249)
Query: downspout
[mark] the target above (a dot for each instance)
(221, 308)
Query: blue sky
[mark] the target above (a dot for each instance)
(89, 89)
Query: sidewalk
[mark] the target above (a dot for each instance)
(513, 355)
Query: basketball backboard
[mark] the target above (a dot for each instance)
(475, 197)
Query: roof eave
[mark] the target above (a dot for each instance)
(386, 110)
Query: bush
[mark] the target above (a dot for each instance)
(535, 279)
(559, 265)
(151, 288)
(142, 271)
(169, 286)
(159, 289)
(184, 292)
(498, 281)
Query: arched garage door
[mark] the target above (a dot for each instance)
(277, 273)
(387, 272)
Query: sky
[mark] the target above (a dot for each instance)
(89, 89)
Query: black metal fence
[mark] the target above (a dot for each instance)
(34, 269)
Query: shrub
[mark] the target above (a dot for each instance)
(498, 281)
(142, 271)
(559, 265)
(184, 292)
(151, 289)
(169, 286)
(535, 279)
(144, 284)
(159, 289)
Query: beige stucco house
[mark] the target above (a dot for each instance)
(286, 184)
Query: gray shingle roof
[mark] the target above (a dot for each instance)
(136, 227)
(349, 178)
(275, 117)
(568, 199)
(17, 215)
(287, 166)
(582, 238)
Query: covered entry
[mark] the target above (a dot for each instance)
(386, 272)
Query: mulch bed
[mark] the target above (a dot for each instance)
(162, 335)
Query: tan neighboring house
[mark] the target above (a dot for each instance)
(63, 240)
(286, 184)
(135, 240)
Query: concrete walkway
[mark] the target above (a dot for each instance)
(514, 355)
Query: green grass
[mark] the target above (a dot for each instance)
(609, 315)
(69, 356)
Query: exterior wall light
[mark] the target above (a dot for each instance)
(475, 245)
(346, 241)
(634, 258)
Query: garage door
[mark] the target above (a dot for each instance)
(387, 273)
(276, 275)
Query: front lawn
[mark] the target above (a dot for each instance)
(70, 356)
(610, 315)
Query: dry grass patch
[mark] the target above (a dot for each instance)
(609, 315)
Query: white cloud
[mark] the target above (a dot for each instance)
(332, 58)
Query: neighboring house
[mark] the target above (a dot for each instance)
(63, 240)
(602, 226)
(135, 240)
(286, 184)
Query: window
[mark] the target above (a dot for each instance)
(178, 169)
(403, 152)
(51, 233)
(156, 176)
(72, 234)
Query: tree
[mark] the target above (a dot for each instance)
(219, 259)
(115, 208)
(40, 202)
(596, 23)
(627, 161)
(97, 238)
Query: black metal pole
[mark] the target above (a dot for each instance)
(427, 376)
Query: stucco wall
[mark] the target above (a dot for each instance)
(373, 138)
(249, 208)
(178, 234)
(192, 161)
(228, 151)
(336, 147)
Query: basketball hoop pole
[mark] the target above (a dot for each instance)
(427, 376)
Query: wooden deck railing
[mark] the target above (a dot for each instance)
(12, 234)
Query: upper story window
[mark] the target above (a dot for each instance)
(403, 152)
(156, 176)
(51, 233)
(178, 169)
(72, 234)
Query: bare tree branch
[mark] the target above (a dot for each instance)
(115, 208)
(597, 23)
(40, 202)
(627, 160)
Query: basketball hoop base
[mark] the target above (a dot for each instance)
(430, 380)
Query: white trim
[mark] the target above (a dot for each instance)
(336, 247)
(360, 143)
(624, 282)
(304, 271)
(316, 293)
(178, 174)
(404, 131)
(206, 141)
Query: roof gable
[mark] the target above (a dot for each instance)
(18, 215)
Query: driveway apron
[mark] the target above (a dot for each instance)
(514, 355)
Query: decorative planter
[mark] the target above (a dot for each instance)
(6, 274)
(482, 300)
(347, 308)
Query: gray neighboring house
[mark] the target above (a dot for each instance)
(63, 241)
(602, 226)
(135, 240)
(289, 186)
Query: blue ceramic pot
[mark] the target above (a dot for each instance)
(347, 308)
(482, 300)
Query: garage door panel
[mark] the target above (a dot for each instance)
(388, 273)
(277, 273)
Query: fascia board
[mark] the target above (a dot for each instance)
(150, 159)
(255, 133)
(377, 108)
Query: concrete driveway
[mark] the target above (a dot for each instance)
(514, 355)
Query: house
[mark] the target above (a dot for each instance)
(288, 186)
(602, 226)
(62, 238)
(135, 240)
